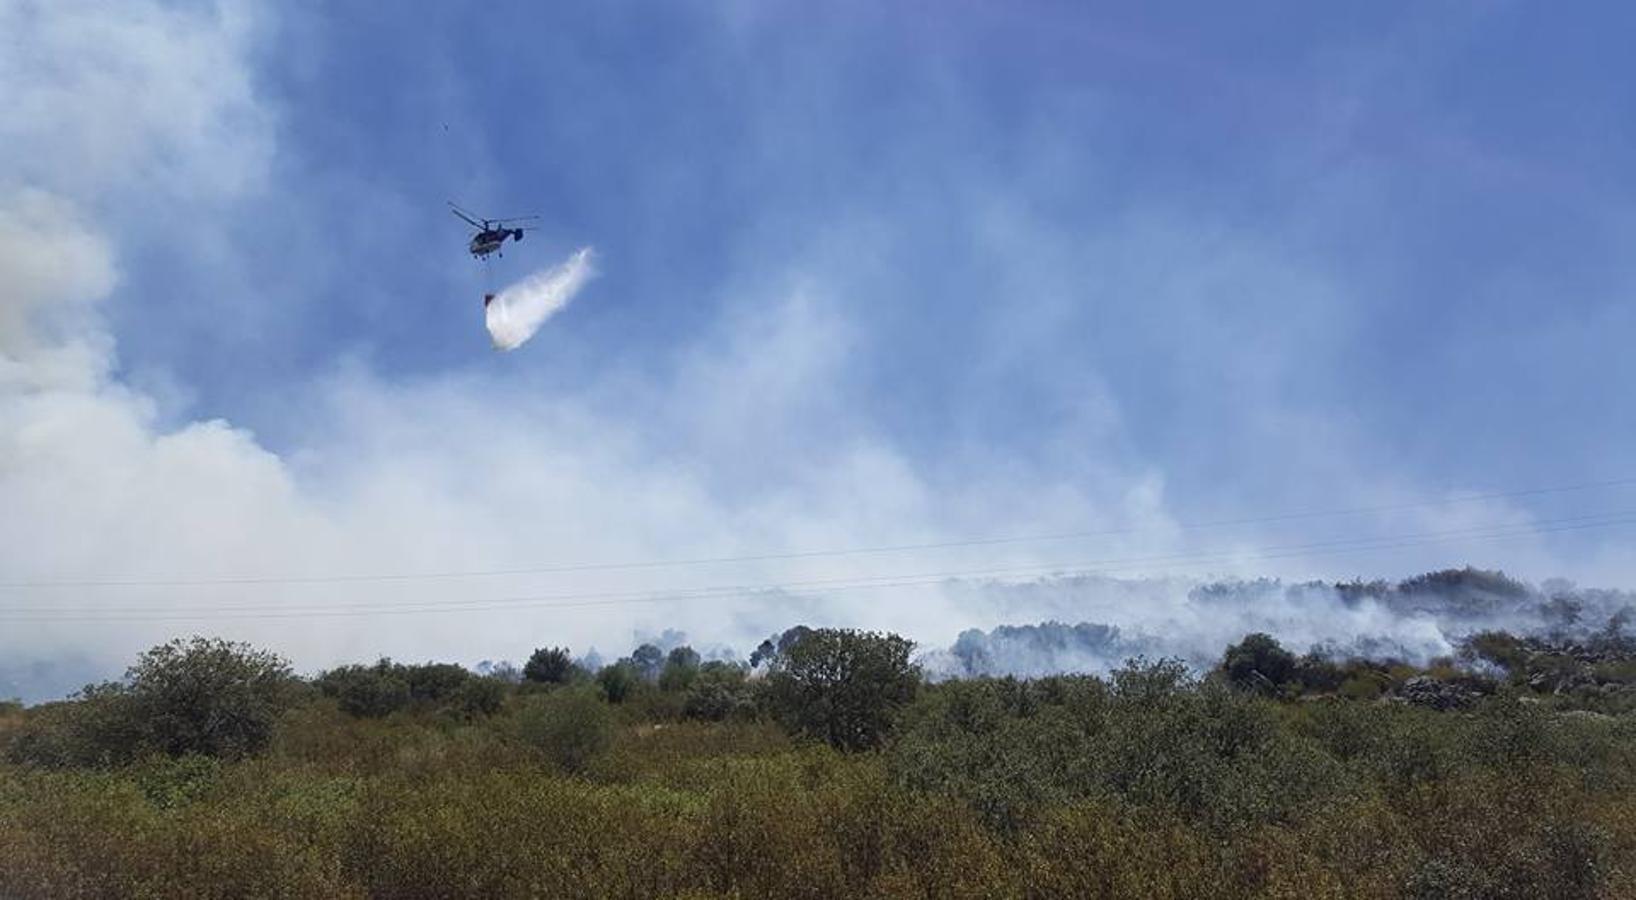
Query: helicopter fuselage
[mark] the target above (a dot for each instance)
(485, 242)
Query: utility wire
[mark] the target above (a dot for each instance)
(115, 582)
(1354, 545)
(1121, 563)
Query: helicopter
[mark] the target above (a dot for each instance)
(491, 233)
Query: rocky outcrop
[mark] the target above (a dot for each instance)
(1423, 690)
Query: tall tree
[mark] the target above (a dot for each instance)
(549, 665)
(842, 686)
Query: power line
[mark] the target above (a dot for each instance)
(244, 580)
(1479, 531)
(580, 600)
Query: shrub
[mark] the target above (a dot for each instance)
(568, 727)
(204, 696)
(481, 696)
(844, 687)
(550, 665)
(97, 727)
(173, 782)
(433, 682)
(209, 696)
(1258, 663)
(719, 692)
(617, 681)
(1362, 686)
(681, 666)
(647, 661)
(1318, 674)
(368, 692)
(1496, 648)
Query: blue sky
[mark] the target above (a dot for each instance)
(1408, 220)
(867, 273)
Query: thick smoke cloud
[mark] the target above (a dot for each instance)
(744, 444)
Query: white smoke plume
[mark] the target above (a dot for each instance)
(1413, 620)
(517, 312)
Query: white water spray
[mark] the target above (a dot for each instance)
(514, 314)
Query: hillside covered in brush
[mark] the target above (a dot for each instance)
(829, 764)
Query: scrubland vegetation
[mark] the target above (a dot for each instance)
(832, 768)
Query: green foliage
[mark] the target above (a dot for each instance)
(1154, 738)
(568, 727)
(1258, 663)
(481, 696)
(617, 681)
(1318, 674)
(433, 683)
(369, 692)
(647, 661)
(550, 665)
(1363, 686)
(843, 687)
(720, 691)
(203, 696)
(377, 691)
(1496, 648)
(99, 727)
(208, 696)
(1150, 782)
(172, 782)
(681, 667)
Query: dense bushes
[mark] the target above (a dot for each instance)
(1258, 663)
(843, 687)
(568, 727)
(368, 692)
(550, 665)
(1147, 784)
(373, 692)
(719, 691)
(617, 682)
(711, 780)
(207, 697)
(1153, 737)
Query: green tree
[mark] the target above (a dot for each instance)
(720, 691)
(1317, 672)
(681, 667)
(98, 727)
(647, 660)
(842, 686)
(434, 682)
(550, 665)
(569, 727)
(208, 696)
(1258, 663)
(368, 692)
(617, 681)
(481, 696)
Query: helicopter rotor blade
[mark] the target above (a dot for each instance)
(462, 214)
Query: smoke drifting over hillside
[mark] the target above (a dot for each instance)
(1411, 620)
